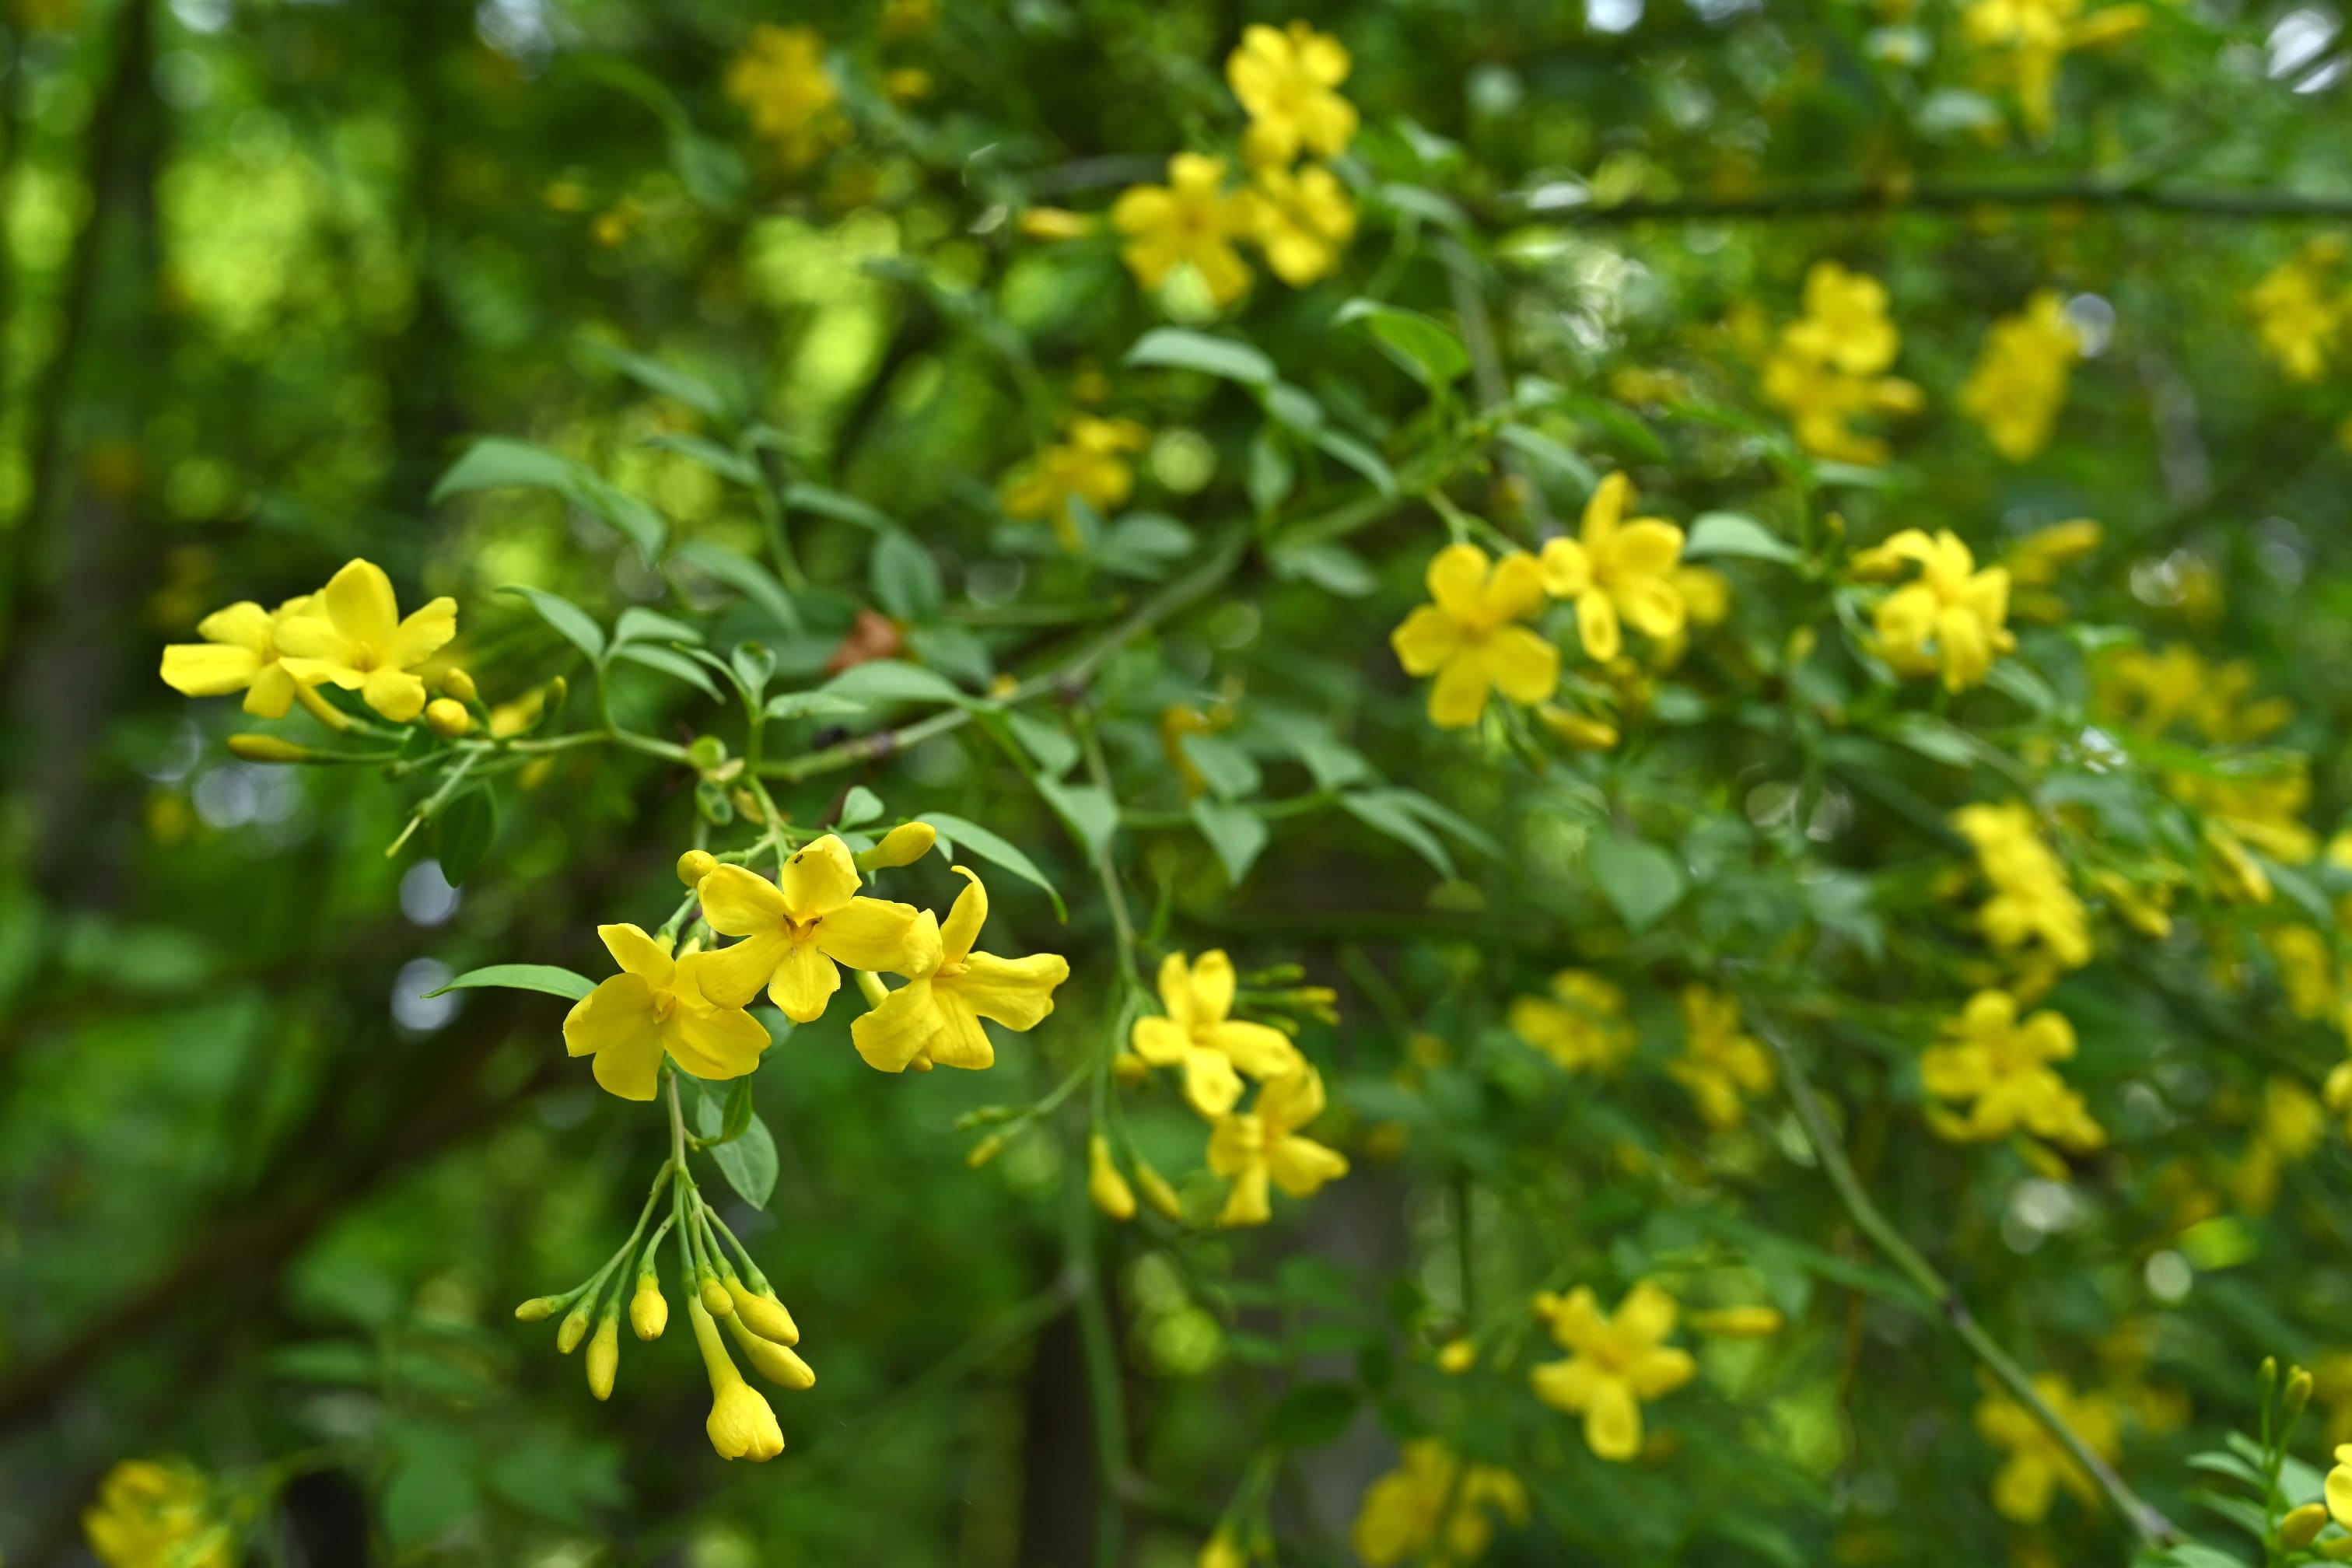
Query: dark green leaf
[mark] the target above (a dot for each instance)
(889, 680)
(1380, 811)
(832, 503)
(906, 579)
(955, 830)
(579, 628)
(1422, 346)
(670, 663)
(1091, 813)
(1729, 533)
(464, 832)
(1236, 832)
(747, 577)
(547, 977)
(1311, 1414)
(860, 805)
(638, 623)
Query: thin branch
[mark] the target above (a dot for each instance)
(1894, 198)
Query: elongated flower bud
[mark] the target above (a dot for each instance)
(537, 1309)
(2300, 1528)
(573, 1329)
(715, 1299)
(2298, 1392)
(456, 683)
(446, 717)
(1738, 1323)
(695, 865)
(267, 749)
(763, 1314)
(1104, 1184)
(902, 845)
(1458, 1357)
(648, 1312)
(604, 1357)
(778, 1363)
(1158, 1192)
(742, 1425)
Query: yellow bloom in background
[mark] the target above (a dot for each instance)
(2019, 381)
(2000, 1066)
(1090, 464)
(791, 99)
(2176, 686)
(2263, 810)
(2036, 560)
(1617, 570)
(1470, 640)
(794, 934)
(350, 632)
(1198, 1036)
(742, 1424)
(153, 1513)
(656, 1006)
(1581, 1025)
(1302, 221)
(2034, 36)
(1193, 219)
(2289, 1127)
(2037, 1463)
(2031, 897)
(1720, 1065)
(1287, 79)
(1400, 1517)
(936, 1016)
(1951, 618)
(239, 653)
(2300, 309)
(1263, 1144)
(1105, 1184)
(2306, 965)
(1845, 324)
(1615, 1363)
(1821, 400)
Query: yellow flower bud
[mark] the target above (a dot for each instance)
(1458, 1357)
(1157, 1192)
(1056, 222)
(715, 1299)
(1221, 1552)
(573, 1329)
(2298, 1392)
(537, 1309)
(1577, 730)
(695, 865)
(604, 1357)
(778, 1363)
(648, 1312)
(763, 1313)
(1130, 1068)
(984, 1150)
(902, 845)
(743, 1424)
(1738, 1323)
(446, 717)
(1104, 1184)
(456, 683)
(267, 749)
(2300, 1528)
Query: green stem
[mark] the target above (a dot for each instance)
(1105, 1400)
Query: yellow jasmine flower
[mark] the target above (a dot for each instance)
(2288, 1129)
(1286, 81)
(1844, 325)
(1617, 569)
(2264, 810)
(1090, 464)
(1719, 1064)
(794, 934)
(1821, 400)
(2019, 381)
(1951, 617)
(1615, 1362)
(1399, 1519)
(2002, 1065)
(657, 1005)
(157, 1514)
(1198, 1036)
(2176, 686)
(1302, 221)
(1581, 1025)
(1469, 637)
(2300, 309)
(786, 92)
(350, 632)
(2038, 1463)
(2035, 560)
(2031, 897)
(935, 1016)
(239, 653)
(2306, 965)
(1263, 1143)
(742, 1424)
(1192, 218)
(2035, 37)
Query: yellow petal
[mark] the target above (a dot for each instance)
(639, 954)
(732, 976)
(1516, 589)
(1300, 1166)
(900, 1029)
(1017, 993)
(394, 693)
(1292, 1102)
(1596, 623)
(1522, 665)
(715, 1042)
(245, 624)
(359, 601)
(1567, 569)
(804, 980)
(738, 902)
(1213, 989)
(1457, 581)
(616, 1013)
(1609, 499)
(209, 670)
(1647, 547)
(1653, 604)
(1176, 991)
(1247, 1202)
(1612, 1420)
(1458, 696)
(922, 953)
(1661, 1370)
(422, 633)
(867, 933)
(961, 928)
(961, 1041)
(818, 878)
(1258, 1051)
(1565, 1385)
(1210, 1085)
(633, 1069)
(1163, 1042)
(1428, 637)
(1647, 1313)
(271, 693)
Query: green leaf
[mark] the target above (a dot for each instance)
(1334, 763)
(665, 380)
(498, 463)
(753, 666)
(954, 830)
(1270, 474)
(1551, 454)
(1311, 1414)
(811, 705)
(1640, 880)
(1334, 568)
(1091, 813)
(860, 805)
(1730, 533)
(1448, 820)
(1049, 745)
(832, 503)
(464, 832)
(953, 652)
(547, 977)
(749, 1162)
(670, 663)
(638, 623)
(1236, 832)
(1358, 456)
(747, 577)
(1422, 346)
(428, 1494)
(1380, 811)
(727, 463)
(1145, 544)
(1179, 348)
(1230, 772)
(889, 680)
(906, 579)
(579, 628)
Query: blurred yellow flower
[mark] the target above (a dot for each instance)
(2000, 1066)
(1581, 1025)
(796, 930)
(936, 1016)
(1088, 464)
(1719, 1064)
(350, 632)
(1824, 369)
(2031, 897)
(1104, 1184)
(155, 1513)
(2034, 36)
(656, 1006)
(792, 101)
(1952, 618)
(2177, 686)
(1302, 220)
(1617, 570)
(2037, 1463)
(2019, 381)
(239, 653)
(1469, 637)
(1399, 1519)
(1615, 1363)
(1193, 219)
(2300, 309)
(2036, 560)
(1198, 1036)
(1263, 1143)
(1287, 79)
(1844, 325)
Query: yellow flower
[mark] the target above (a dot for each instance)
(2175, 686)
(742, 1424)
(2037, 1462)
(795, 933)
(1617, 569)
(2032, 898)
(656, 1006)
(1220, 1551)
(2339, 1487)
(1262, 1142)
(239, 653)
(1090, 463)
(1198, 1036)
(1056, 222)
(2036, 36)
(1104, 1184)
(350, 632)
(790, 97)
(1399, 1519)
(1193, 219)
(1469, 637)
(935, 1016)
(2019, 381)
(1302, 221)
(1824, 368)
(2264, 810)
(1285, 81)
(2306, 965)
(2001, 1064)
(1615, 1363)
(1719, 1064)
(1583, 1030)
(1844, 325)
(2035, 560)
(1951, 617)
(2300, 309)
(157, 1514)
(2289, 1127)
(1750, 1322)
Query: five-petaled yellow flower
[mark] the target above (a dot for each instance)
(780, 79)
(1615, 1363)
(352, 633)
(1263, 1143)
(1192, 218)
(1399, 1519)
(935, 1016)
(656, 1006)
(1090, 463)
(2301, 309)
(1720, 1063)
(1617, 571)
(2031, 897)
(1581, 1025)
(1825, 367)
(2035, 35)
(1198, 1036)
(794, 934)
(1845, 324)
(1951, 618)
(2038, 1464)
(1287, 79)
(2000, 1066)
(1302, 221)
(239, 653)
(157, 1514)
(2020, 382)
(1470, 639)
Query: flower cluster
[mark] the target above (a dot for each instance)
(1090, 464)
(1827, 367)
(1997, 1068)
(2031, 901)
(790, 97)
(2301, 307)
(349, 634)
(1435, 1508)
(159, 1513)
(1721, 1064)
(2019, 381)
(1581, 1025)
(2037, 1463)
(1951, 620)
(2028, 39)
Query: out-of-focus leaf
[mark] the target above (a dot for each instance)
(955, 830)
(1236, 832)
(579, 628)
(1422, 346)
(1179, 348)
